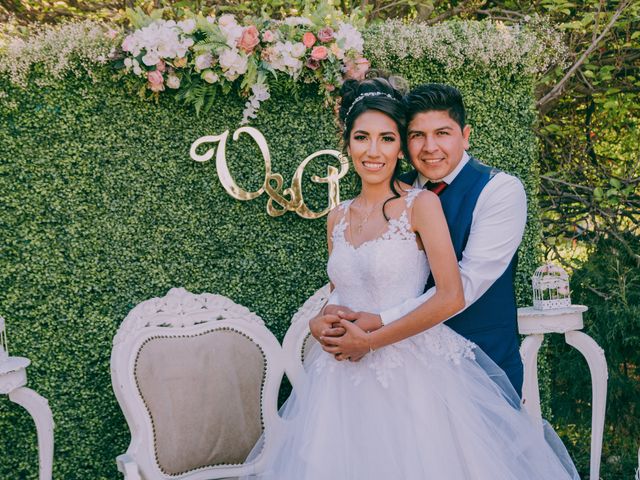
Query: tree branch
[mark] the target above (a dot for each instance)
(558, 87)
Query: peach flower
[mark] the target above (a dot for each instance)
(156, 81)
(357, 69)
(319, 53)
(249, 39)
(308, 39)
(180, 62)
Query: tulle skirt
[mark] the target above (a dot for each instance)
(433, 407)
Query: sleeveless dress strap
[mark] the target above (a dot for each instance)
(411, 196)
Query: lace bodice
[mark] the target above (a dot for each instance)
(378, 275)
(381, 272)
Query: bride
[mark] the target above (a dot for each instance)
(425, 403)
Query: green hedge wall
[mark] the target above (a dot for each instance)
(102, 208)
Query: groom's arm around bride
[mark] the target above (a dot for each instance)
(486, 215)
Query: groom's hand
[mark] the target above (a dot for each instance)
(369, 322)
(336, 310)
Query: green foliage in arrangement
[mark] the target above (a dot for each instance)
(103, 208)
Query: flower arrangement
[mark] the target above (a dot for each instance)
(201, 56)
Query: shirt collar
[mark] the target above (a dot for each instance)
(421, 180)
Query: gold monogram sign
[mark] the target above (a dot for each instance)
(280, 201)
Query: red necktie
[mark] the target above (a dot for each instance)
(436, 187)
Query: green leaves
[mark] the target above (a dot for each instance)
(103, 208)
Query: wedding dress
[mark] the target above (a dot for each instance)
(431, 407)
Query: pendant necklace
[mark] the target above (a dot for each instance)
(366, 216)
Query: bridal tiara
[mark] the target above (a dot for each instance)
(364, 95)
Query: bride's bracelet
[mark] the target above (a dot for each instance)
(371, 350)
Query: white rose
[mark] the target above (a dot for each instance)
(349, 38)
(298, 49)
(137, 70)
(227, 20)
(128, 62)
(234, 62)
(204, 61)
(210, 76)
(173, 81)
(150, 58)
(187, 26)
(230, 75)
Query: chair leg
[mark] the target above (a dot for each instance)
(38, 408)
(128, 467)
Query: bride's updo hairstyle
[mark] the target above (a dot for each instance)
(381, 94)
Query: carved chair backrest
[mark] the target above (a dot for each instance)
(298, 340)
(197, 377)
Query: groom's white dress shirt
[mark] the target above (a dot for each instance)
(499, 218)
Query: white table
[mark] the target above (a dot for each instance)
(535, 324)
(13, 378)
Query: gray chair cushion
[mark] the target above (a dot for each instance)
(203, 395)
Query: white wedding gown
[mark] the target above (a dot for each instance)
(432, 407)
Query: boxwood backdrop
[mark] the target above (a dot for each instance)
(103, 208)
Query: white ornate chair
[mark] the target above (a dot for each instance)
(197, 377)
(298, 339)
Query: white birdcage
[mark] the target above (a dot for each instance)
(550, 288)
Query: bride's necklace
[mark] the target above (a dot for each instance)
(366, 216)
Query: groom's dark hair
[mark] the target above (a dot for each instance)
(436, 96)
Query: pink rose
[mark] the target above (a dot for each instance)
(268, 36)
(312, 64)
(325, 34)
(357, 69)
(156, 81)
(249, 39)
(319, 53)
(161, 66)
(308, 39)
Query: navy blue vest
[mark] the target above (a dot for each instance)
(491, 321)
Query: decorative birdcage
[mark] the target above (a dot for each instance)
(550, 288)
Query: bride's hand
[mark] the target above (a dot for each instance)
(354, 344)
(325, 325)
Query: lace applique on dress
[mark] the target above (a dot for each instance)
(380, 274)
(400, 228)
(340, 227)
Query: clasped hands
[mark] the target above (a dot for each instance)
(343, 332)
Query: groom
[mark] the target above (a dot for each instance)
(486, 212)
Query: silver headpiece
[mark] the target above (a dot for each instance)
(364, 95)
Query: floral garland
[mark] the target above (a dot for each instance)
(200, 56)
